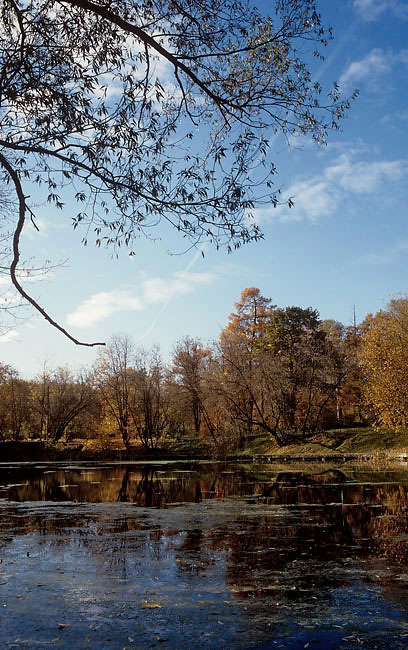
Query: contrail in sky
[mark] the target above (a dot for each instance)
(170, 298)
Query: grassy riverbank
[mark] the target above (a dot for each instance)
(359, 441)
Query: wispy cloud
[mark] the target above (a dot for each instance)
(41, 229)
(365, 177)
(373, 65)
(158, 289)
(153, 290)
(12, 335)
(371, 10)
(371, 68)
(313, 198)
(320, 196)
(102, 305)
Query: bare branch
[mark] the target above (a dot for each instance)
(16, 254)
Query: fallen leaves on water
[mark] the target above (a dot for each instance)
(147, 605)
(353, 638)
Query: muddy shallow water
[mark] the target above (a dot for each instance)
(202, 556)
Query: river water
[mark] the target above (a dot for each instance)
(191, 556)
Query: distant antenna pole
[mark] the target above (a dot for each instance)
(354, 318)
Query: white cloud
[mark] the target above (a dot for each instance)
(370, 10)
(182, 282)
(154, 290)
(158, 290)
(9, 299)
(33, 233)
(320, 196)
(368, 70)
(9, 336)
(101, 306)
(313, 199)
(365, 177)
(374, 64)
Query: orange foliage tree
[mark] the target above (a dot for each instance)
(384, 358)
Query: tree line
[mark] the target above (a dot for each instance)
(279, 371)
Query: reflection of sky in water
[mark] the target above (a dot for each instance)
(273, 558)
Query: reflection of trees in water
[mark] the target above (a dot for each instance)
(374, 517)
(265, 548)
(144, 486)
(297, 542)
(341, 516)
(388, 528)
(148, 488)
(120, 544)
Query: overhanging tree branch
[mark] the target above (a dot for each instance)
(135, 144)
(16, 254)
(148, 40)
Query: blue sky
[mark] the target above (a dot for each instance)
(345, 242)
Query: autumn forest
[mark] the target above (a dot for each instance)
(278, 371)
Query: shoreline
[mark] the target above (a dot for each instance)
(29, 451)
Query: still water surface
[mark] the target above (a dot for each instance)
(189, 556)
